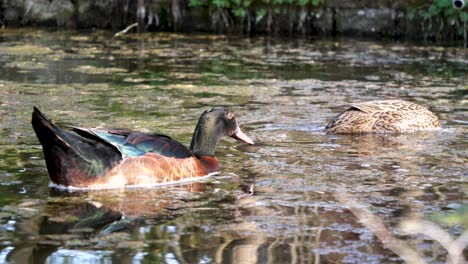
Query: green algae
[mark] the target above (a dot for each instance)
(25, 50)
(99, 70)
(26, 65)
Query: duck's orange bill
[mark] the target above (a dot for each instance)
(239, 135)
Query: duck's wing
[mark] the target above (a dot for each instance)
(133, 144)
(352, 120)
(380, 106)
(397, 116)
(375, 116)
(72, 157)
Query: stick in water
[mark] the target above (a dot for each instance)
(125, 30)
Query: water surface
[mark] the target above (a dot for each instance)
(283, 93)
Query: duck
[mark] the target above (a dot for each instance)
(383, 116)
(100, 158)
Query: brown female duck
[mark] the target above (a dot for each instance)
(383, 116)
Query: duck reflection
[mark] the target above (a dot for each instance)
(176, 223)
(186, 225)
(98, 209)
(80, 218)
(388, 158)
(375, 144)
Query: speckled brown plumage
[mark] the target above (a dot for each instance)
(382, 117)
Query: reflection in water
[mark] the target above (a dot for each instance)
(123, 218)
(412, 226)
(284, 91)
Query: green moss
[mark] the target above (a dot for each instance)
(26, 50)
(26, 65)
(98, 70)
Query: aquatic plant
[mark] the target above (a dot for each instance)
(249, 13)
(441, 18)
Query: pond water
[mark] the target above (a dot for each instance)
(316, 198)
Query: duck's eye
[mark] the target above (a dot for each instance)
(230, 115)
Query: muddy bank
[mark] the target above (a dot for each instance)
(394, 19)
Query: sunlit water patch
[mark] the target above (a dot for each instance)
(278, 201)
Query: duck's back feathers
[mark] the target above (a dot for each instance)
(381, 117)
(72, 157)
(133, 144)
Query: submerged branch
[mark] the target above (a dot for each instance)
(454, 247)
(125, 30)
(377, 227)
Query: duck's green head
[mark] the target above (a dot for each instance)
(214, 124)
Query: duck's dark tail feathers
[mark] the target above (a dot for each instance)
(73, 158)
